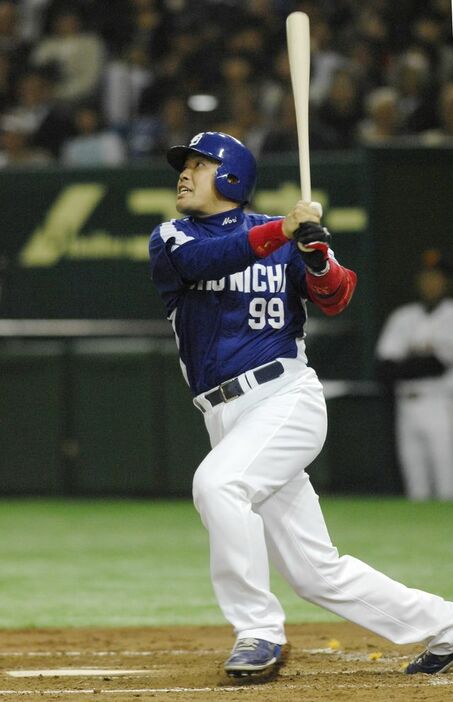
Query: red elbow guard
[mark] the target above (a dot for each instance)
(332, 291)
(267, 238)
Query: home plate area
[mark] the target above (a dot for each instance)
(324, 662)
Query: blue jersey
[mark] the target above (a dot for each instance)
(231, 311)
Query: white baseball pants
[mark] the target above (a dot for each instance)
(424, 430)
(257, 504)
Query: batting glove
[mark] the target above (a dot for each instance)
(313, 242)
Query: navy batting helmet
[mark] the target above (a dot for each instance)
(236, 175)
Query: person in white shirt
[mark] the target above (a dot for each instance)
(93, 144)
(76, 56)
(415, 353)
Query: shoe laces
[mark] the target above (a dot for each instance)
(423, 657)
(246, 645)
(429, 656)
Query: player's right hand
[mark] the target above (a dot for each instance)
(301, 213)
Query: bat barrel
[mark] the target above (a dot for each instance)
(298, 40)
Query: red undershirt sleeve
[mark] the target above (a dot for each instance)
(266, 238)
(332, 291)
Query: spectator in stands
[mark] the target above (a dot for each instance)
(415, 355)
(182, 70)
(198, 60)
(126, 77)
(112, 20)
(443, 135)
(47, 127)
(151, 135)
(373, 22)
(431, 34)
(244, 121)
(249, 40)
(32, 18)
(93, 144)
(76, 57)
(383, 120)
(381, 44)
(236, 75)
(144, 134)
(366, 63)
(283, 138)
(325, 61)
(176, 123)
(262, 13)
(416, 98)
(6, 81)
(275, 85)
(149, 28)
(341, 109)
(15, 147)
(11, 40)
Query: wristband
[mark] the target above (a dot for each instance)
(326, 284)
(267, 238)
(332, 292)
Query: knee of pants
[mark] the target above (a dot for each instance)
(318, 578)
(212, 489)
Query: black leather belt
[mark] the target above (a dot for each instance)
(232, 389)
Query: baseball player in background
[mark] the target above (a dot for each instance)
(415, 353)
(236, 287)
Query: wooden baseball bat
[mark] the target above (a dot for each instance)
(298, 40)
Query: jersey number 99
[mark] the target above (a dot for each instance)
(262, 312)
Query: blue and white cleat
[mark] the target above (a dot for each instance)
(430, 663)
(252, 656)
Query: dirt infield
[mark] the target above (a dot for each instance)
(326, 662)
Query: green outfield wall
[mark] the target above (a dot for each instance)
(76, 241)
(115, 417)
(112, 415)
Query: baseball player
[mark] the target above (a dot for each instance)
(415, 352)
(236, 288)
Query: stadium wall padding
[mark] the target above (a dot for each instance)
(115, 417)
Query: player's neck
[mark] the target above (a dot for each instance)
(224, 218)
(223, 206)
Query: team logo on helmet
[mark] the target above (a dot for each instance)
(196, 139)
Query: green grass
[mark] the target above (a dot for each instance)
(133, 563)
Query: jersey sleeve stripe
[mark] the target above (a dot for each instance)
(169, 231)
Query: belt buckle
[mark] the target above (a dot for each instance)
(222, 393)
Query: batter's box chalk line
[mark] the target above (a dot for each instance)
(77, 672)
(101, 654)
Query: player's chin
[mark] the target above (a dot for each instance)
(182, 206)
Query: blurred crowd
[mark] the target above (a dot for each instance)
(101, 82)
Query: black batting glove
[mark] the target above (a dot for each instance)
(313, 242)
